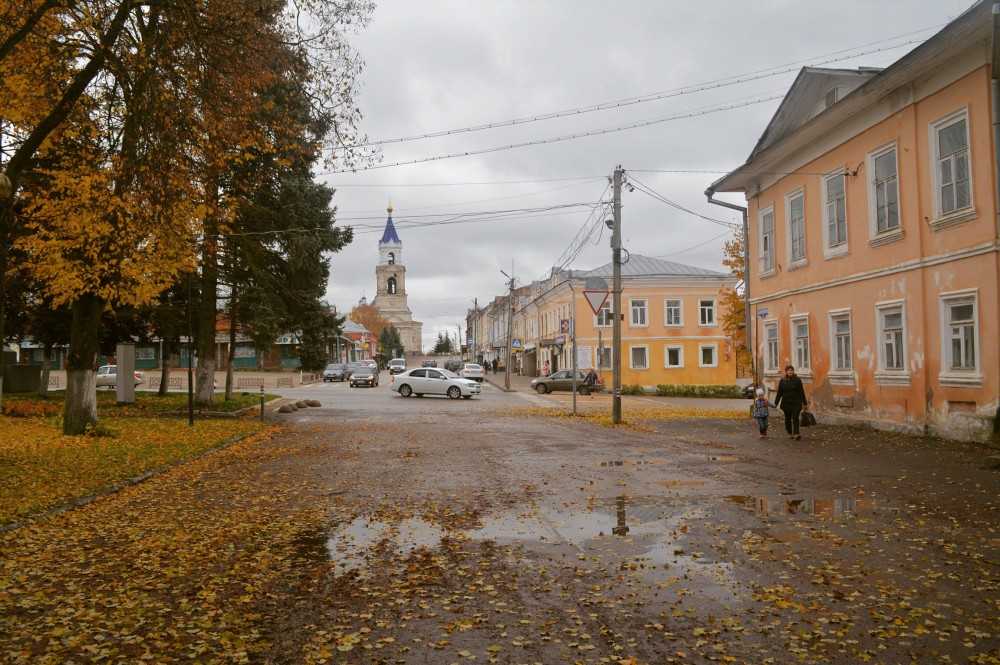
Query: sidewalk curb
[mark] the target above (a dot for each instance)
(115, 488)
(498, 385)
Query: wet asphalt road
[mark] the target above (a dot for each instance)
(690, 541)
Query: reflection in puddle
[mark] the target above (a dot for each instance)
(636, 534)
(784, 506)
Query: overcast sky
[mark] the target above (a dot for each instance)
(442, 65)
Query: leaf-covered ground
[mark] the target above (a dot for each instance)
(146, 404)
(41, 468)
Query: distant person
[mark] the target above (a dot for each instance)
(791, 399)
(591, 382)
(545, 368)
(760, 412)
(495, 365)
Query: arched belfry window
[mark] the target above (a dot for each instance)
(392, 258)
(391, 284)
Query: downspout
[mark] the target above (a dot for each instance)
(751, 349)
(995, 113)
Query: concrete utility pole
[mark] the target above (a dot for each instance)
(616, 299)
(572, 331)
(510, 329)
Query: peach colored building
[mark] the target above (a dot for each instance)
(671, 331)
(874, 265)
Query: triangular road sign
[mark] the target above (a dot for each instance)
(596, 299)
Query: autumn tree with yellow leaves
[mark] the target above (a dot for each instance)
(732, 304)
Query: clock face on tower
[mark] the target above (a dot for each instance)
(391, 295)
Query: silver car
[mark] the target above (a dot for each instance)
(472, 371)
(107, 376)
(433, 381)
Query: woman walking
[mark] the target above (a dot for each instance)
(791, 399)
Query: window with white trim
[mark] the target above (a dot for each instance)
(840, 330)
(767, 240)
(672, 313)
(639, 357)
(605, 319)
(795, 212)
(706, 312)
(892, 338)
(835, 211)
(708, 355)
(639, 308)
(604, 361)
(800, 343)
(885, 191)
(673, 356)
(771, 346)
(951, 150)
(960, 333)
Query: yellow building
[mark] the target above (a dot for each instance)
(671, 330)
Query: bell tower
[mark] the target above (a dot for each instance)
(390, 295)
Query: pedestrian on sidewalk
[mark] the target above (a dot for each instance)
(760, 412)
(591, 382)
(545, 368)
(791, 399)
(495, 365)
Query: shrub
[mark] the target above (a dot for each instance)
(30, 408)
(680, 390)
(632, 390)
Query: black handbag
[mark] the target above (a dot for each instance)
(807, 419)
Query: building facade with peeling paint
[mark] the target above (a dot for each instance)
(872, 211)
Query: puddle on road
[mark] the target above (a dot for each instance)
(638, 534)
(787, 505)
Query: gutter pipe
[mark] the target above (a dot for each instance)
(995, 112)
(751, 348)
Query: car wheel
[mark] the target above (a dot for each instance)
(541, 388)
(454, 392)
(405, 390)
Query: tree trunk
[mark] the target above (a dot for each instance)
(6, 223)
(43, 384)
(165, 369)
(80, 409)
(205, 377)
(232, 344)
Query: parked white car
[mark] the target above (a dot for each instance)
(433, 381)
(107, 376)
(472, 371)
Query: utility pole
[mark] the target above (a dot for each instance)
(616, 299)
(510, 329)
(572, 331)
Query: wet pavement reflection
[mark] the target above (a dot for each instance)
(783, 506)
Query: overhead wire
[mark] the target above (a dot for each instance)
(649, 191)
(564, 137)
(737, 79)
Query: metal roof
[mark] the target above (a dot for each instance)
(351, 326)
(645, 266)
(389, 236)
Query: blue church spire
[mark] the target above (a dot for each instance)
(389, 236)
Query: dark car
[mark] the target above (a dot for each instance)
(454, 366)
(335, 372)
(429, 363)
(562, 380)
(364, 376)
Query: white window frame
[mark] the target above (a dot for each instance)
(631, 364)
(715, 313)
(631, 312)
(610, 358)
(794, 262)
(680, 312)
(765, 270)
(948, 375)
(878, 237)
(768, 369)
(611, 315)
(841, 374)
(715, 355)
(959, 214)
(841, 248)
(803, 369)
(882, 374)
(666, 356)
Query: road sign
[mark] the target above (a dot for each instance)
(596, 299)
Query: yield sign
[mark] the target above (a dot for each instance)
(596, 299)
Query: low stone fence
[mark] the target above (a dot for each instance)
(244, 381)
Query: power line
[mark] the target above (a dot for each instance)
(688, 249)
(757, 75)
(565, 137)
(469, 183)
(649, 191)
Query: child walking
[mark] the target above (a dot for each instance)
(760, 412)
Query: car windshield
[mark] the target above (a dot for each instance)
(472, 366)
(364, 371)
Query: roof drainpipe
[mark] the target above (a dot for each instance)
(710, 195)
(995, 105)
